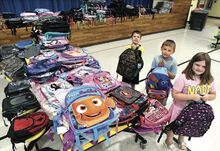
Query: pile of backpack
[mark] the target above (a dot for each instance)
(57, 73)
(20, 108)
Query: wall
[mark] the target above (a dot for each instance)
(99, 32)
(215, 10)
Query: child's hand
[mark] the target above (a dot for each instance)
(196, 97)
(161, 64)
(205, 97)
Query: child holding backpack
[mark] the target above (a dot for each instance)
(165, 59)
(196, 83)
(135, 45)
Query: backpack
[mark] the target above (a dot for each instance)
(131, 103)
(56, 42)
(19, 104)
(76, 76)
(154, 118)
(16, 87)
(158, 83)
(30, 51)
(130, 63)
(21, 45)
(23, 128)
(193, 121)
(54, 92)
(88, 114)
(56, 26)
(7, 51)
(42, 67)
(102, 80)
(73, 57)
(11, 66)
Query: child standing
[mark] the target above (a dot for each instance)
(135, 45)
(165, 59)
(194, 84)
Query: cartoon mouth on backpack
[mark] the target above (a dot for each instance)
(91, 110)
(94, 115)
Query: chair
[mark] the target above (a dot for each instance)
(217, 41)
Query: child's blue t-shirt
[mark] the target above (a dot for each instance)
(169, 63)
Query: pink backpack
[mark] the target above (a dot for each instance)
(103, 81)
(73, 57)
(74, 52)
(76, 76)
(155, 117)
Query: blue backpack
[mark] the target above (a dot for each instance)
(42, 67)
(158, 83)
(84, 125)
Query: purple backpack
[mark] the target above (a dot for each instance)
(194, 120)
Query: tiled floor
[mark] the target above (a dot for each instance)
(188, 43)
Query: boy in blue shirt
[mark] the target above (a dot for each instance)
(165, 59)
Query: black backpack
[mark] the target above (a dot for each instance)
(7, 51)
(131, 102)
(19, 104)
(56, 26)
(130, 63)
(16, 87)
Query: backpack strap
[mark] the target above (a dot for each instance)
(3, 137)
(167, 128)
(13, 146)
(161, 134)
(147, 75)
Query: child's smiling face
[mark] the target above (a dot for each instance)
(167, 51)
(199, 67)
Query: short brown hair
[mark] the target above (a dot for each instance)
(136, 32)
(170, 43)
